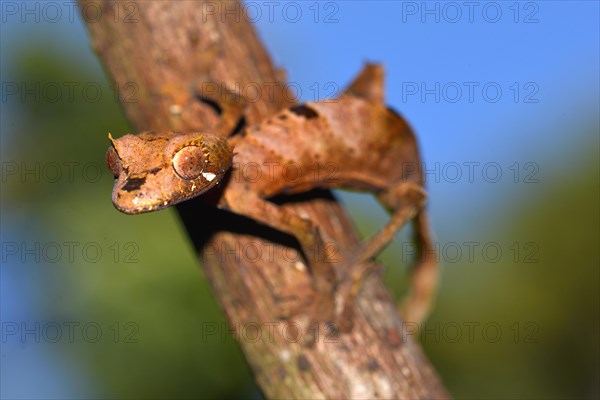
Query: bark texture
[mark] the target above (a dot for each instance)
(161, 49)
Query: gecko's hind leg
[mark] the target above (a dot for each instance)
(416, 305)
(357, 266)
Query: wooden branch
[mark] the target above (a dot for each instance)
(161, 49)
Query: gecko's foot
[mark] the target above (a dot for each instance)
(411, 312)
(293, 306)
(344, 320)
(347, 291)
(417, 304)
(416, 307)
(318, 308)
(315, 315)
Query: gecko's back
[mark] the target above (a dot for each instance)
(348, 142)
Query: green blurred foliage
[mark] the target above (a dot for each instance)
(554, 301)
(545, 298)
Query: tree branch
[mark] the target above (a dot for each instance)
(164, 49)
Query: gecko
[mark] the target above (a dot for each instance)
(354, 142)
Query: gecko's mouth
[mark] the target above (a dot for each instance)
(136, 210)
(132, 205)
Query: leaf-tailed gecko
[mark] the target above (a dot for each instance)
(355, 142)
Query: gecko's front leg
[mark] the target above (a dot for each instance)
(320, 302)
(227, 103)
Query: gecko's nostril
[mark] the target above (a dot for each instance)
(133, 184)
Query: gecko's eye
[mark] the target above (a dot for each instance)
(113, 161)
(189, 162)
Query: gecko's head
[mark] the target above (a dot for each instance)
(155, 170)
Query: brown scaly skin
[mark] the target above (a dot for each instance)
(355, 142)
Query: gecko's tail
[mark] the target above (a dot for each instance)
(368, 84)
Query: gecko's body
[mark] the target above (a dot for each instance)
(349, 143)
(354, 142)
